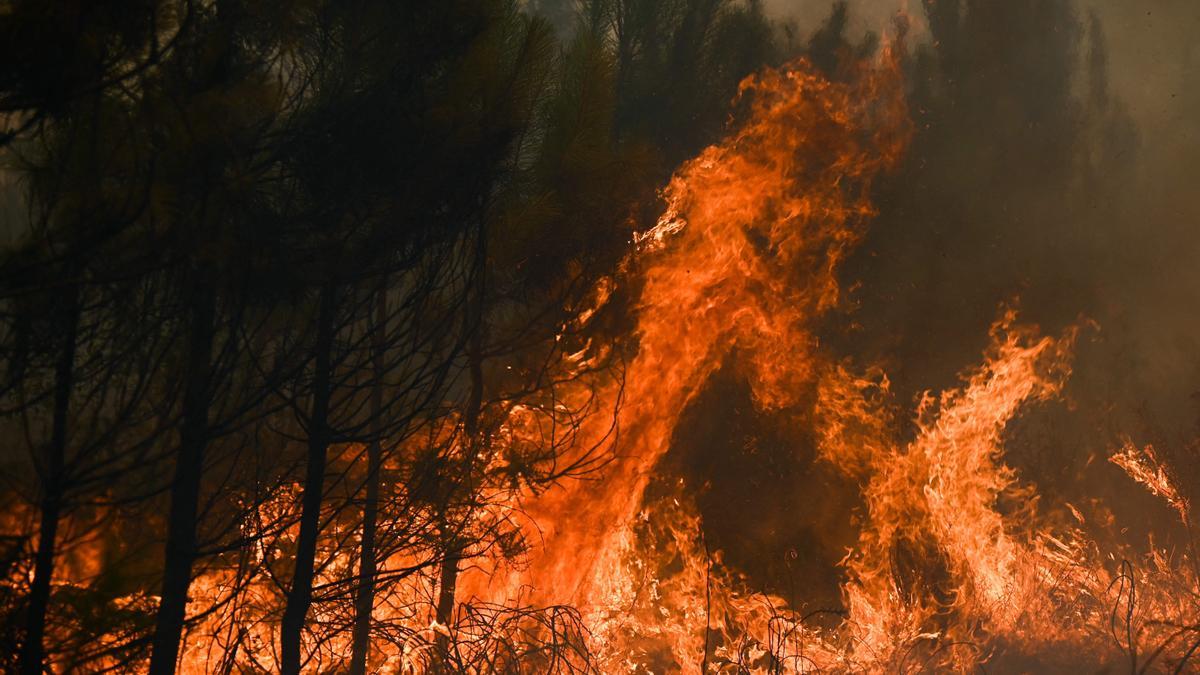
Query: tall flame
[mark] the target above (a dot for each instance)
(744, 258)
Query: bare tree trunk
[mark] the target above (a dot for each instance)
(185, 488)
(452, 546)
(364, 602)
(447, 587)
(299, 598)
(33, 651)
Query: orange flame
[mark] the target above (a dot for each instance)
(1144, 466)
(744, 257)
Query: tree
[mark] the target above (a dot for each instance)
(364, 233)
(213, 107)
(64, 286)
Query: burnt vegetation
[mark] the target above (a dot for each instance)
(290, 294)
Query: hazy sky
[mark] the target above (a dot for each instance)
(1155, 65)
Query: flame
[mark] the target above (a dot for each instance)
(757, 227)
(954, 564)
(936, 542)
(1144, 466)
(744, 258)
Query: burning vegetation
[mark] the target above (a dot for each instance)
(367, 337)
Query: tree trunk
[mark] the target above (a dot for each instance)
(364, 602)
(185, 488)
(32, 651)
(447, 587)
(451, 544)
(300, 596)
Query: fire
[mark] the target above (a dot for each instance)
(751, 239)
(1144, 466)
(936, 543)
(744, 258)
(954, 563)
